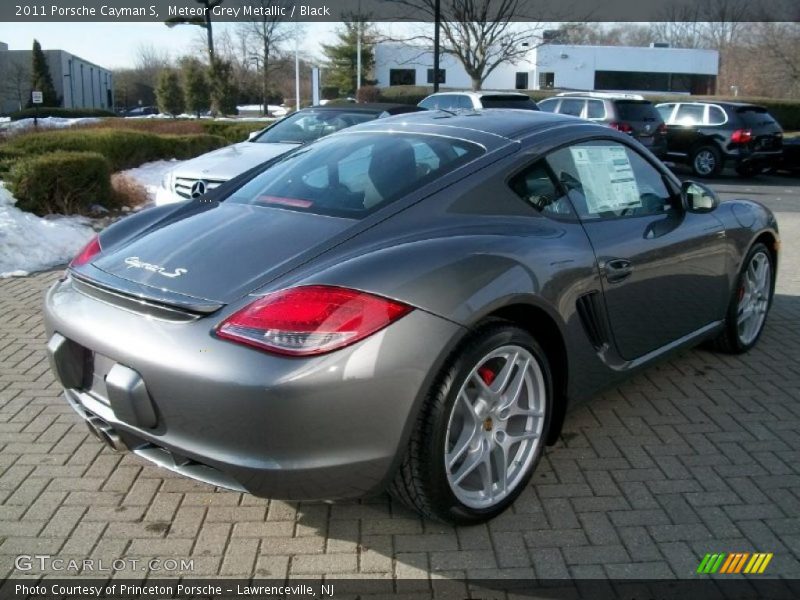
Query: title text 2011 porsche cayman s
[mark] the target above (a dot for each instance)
(409, 304)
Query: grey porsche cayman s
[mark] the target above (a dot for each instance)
(410, 304)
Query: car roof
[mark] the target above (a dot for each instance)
(371, 107)
(720, 103)
(491, 127)
(602, 95)
(479, 93)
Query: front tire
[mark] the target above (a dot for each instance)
(706, 161)
(482, 429)
(750, 303)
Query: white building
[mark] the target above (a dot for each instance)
(649, 69)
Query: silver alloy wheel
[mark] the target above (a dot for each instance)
(754, 298)
(705, 162)
(495, 427)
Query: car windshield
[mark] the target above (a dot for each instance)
(754, 116)
(307, 126)
(508, 101)
(637, 110)
(350, 175)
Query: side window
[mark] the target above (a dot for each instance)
(665, 110)
(536, 187)
(716, 116)
(548, 105)
(607, 179)
(428, 103)
(595, 109)
(690, 114)
(571, 106)
(465, 102)
(445, 101)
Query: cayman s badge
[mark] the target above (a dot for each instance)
(133, 262)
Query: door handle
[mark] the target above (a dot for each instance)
(618, 269)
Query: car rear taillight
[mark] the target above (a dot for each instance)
(623, 127)
(741, 136)
(309, 320)
(662, 129)
(87, 253)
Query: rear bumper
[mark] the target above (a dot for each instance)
(310, 428)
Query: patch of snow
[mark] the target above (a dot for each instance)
(46, 123)
(29, 243)
(150, 175)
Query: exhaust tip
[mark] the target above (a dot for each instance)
(105, 433)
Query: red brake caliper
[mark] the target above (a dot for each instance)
(487, 375)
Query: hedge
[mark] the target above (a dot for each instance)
(232, 131)
(56, 111)
(123, 149)
(61, 182)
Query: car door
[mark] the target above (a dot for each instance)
(663, 269)
(683, 130)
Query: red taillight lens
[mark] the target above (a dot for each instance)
(88, 252)
(662, 129)
(741, 136)
(623, 127)
(309, 320)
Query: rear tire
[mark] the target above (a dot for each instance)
(749, 304)
(706, 161)
(476, 443)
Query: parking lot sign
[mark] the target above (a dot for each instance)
(37, 97)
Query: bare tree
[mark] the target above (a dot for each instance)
(781, 42)
(204, 22)
(482, 34)
(16, 78)
(149, 62)
(264, 36)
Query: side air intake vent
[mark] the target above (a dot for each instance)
(591, 316)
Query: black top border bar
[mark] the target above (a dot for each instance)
(532, 11)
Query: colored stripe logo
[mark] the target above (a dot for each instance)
(735, 562)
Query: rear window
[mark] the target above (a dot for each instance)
(351, 175)
(755, 116)
(499, 101)
(633, 110)
(307, 126)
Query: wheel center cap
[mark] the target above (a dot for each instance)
(488, 423)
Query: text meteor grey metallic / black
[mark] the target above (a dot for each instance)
(410, 304)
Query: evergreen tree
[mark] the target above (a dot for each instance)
(169, 95)
(41, 80)
(223, 90)
(343, 57)
(196, 93)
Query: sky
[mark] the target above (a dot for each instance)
(114, 45)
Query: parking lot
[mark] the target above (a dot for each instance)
(700, 454)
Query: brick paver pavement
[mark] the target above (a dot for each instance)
(700, 454)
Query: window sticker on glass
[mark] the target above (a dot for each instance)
(607, 178)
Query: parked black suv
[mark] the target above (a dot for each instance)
(629, 113)
(708, 135)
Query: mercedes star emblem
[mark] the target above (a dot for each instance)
(198, 188)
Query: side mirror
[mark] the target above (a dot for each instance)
(252, 134)
(698, 198)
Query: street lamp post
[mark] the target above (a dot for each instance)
(437, 18)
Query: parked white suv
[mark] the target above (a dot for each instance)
(477, 100)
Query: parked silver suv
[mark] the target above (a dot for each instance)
(477, 100)
(629, 113)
